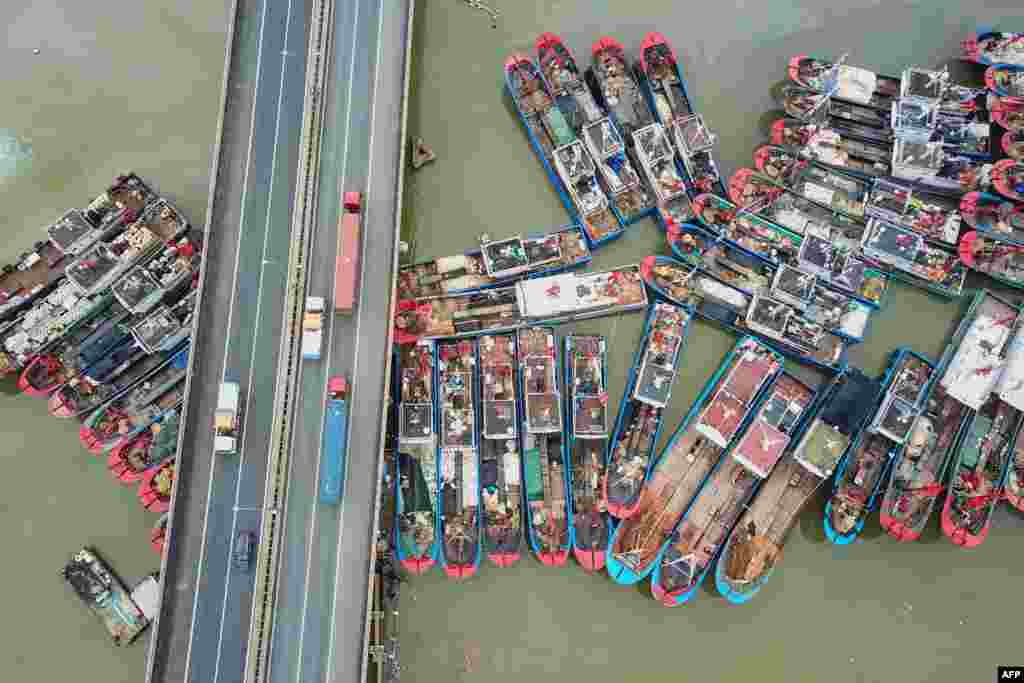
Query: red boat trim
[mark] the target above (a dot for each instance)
(590, 560)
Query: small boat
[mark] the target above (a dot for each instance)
(717, 418)
(701, 534)
(135, 409)
(569, 296)
(929, 166)
(545, 469)
(565, 82)
(748, 188)
(1008, 179)
(747, 230)
(994, 47)
(612, 82)
(129, 461)
(459, 460)
(577, 170)
(167, 326)
(663, 174)
(630, 193)
(830, 147)
(158, 534)
(754, 548)
(860, 121)
(648, 389)
(934, 217)
(845, 83)
(157, 486)
(495, 263)
(1014, 489)
(984, 335)
(861, 479)
(667, 96)
(964, 136)
(1012, 144)
(105, 595)
(35, 273)
(501, 486)
(1010, 390)
(828, 187)
(586, 381)
(147, 284)
(979, 472)
(930, 265)
(415, 496)
(777, 323)
(1000, 259)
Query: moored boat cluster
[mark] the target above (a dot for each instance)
(505, 439)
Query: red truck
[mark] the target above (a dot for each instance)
(346, 273)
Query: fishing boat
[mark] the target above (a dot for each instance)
(862, 477)
(663, 174)
(495, 263)
(994, 47)
(157, 486)
(1008, 112)
(975, 367)
(586, 382)
(501, 487)
(105, 595)
(34, 273)
(577, 170)
(129, 461)
(416, 544)
(934, 217)
(777, 323)
(700, 535)
(754, 548)
(845, 83)
(861, 121)
(611, 80)
(929, 166)
(836, 312)
(459, 461)
(158, 534)
(1014, 489)
(147, 284)
(827, 187)
(565, 82)
(545, 469)
(964, 136)
(995, 256)
(716, 419)
(979, 472)
(166, 326)
(933, 266)
(747, 230)
(1012, 144)
(556, 298)
(831, 147)
(668, 98)
(648, 389)
(630, 193)
(134, 410)
(1008, 179)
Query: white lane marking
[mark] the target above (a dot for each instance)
(227, 341)
(359, 320)
(256, 337)
(342, 179)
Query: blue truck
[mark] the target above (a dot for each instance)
(332, 460)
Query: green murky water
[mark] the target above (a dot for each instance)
(876, 611)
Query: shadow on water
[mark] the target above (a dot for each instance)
(9, 385)
(776, 90)
(812, 518)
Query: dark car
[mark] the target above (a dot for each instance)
(244, 550)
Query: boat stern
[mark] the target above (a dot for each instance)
(777, 134)
(58, 405)
(504, 559)
(898, 529)
(605, 43)
(589, 560)
(793, 69)
(417, 565)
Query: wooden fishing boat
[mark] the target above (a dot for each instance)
(1010, 390)
(105, 595)
(663, 174)
(852, 120)
(158, 534)
(129, 461)
(929, 166)
(862, 477)
(754, 548)
(930, 265)
(565, 82)
(777, 323)
(1014, 491)
(416, 545)
(667, 96)
(999, 258)
(495, 263)
(747, 230)
(459, 460)
(832, 146)
(974, 368)
(134, 410)
(149, 283)
(501, 486)
(577, 170)
(545, 469)
(586, 382)
(935, 217)
(979, 472)
(994, 47)
(716, 419)
(845, 83)
(556, 298)
(33, 274)
(612, 82)
(827, 187)
(968, 136)
(157, 486)
(748, 188)
(1012, 144)
(1008, 179)
(836, 312)
(648, 389)
(700, 535)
